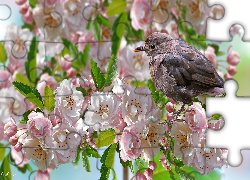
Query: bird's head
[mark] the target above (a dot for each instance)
(155, 44)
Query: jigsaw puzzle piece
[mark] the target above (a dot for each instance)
(219, 29)
(225, 138)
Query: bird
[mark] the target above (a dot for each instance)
(179, 70)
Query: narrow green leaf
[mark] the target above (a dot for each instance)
(21, 78)
(3, 56)
(89, 23)
(32, 70)
(69, 47)
(33, 3)
(81, 89)
(104, 169)
(96, 30)
(104, 20)
(28, 26)
(85, 161)
(75, 162)
(111, 71)
(85, 54)
(116, 7)
(5, 170)
(105, 138)
(2, 151)
(49, 98)
(118, 30)
(31, 93)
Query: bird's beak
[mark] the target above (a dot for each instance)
(139, 49)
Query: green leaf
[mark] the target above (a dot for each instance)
(69, 47)
(81, 89)
(28, 26)
(5, 170)
(33, 3)
(21, 78)
(111, 71)
(92, 152)
(105, 138)
(49, 98)
(30, 65)
(99, 78)
(104, 20)
(2, 151)
(30, 93)
(85, 161)
(3, 56)
(217, 116)
(109, 161)
(104, 169)
(25, 115)
(85, 54)
(89, 23)
(75, 162)
(116, 7)
(96, 30)
(118, 30)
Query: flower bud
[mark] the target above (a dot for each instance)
(71, 72)
(23, 9)
(152, 165)
(20, 2)
(170, 107)
(18, 147)
(228, 76)
(10, 128)
(65, 63)
(233, 58)
(232, 70)
(13, 140)
(149, 174)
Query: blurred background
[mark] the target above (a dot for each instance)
(68, 171)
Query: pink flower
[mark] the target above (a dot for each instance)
(20, 2)
(139, 176)
(232, 70)
(170, 115)
(23, 9)
(130, 144)
(42, 175)
(71, 72)
(152, 165)
(46, 80)
(141, 14)
(73, 37)
(65, 62)
(236, 29)
(10, 127)
(233, 58)
(13, 140)
(39, 126)
(149, 174)
(196, 117)
(170, 107)
(19, 157)
(209, 53)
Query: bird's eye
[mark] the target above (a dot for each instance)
(152, 46)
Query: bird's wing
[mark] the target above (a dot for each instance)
(186, 70)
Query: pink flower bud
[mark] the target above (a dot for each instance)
(42, 175)
(236, 29)
(73, 37)
(18, 147)
(139, 176)
(91, 81)
(233, 58)
(170, 107)
(65, 63)
(23, 9)
(10, 128)
(232, 70)
(71, 72)
(228, 76)
(20, 2)
(149, 174)
(13, 140)
(171, 100)
(170, 115)
(152, 165)
(28, 17)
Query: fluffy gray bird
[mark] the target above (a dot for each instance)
(179, 70)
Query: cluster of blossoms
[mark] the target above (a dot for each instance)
(82, 109)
